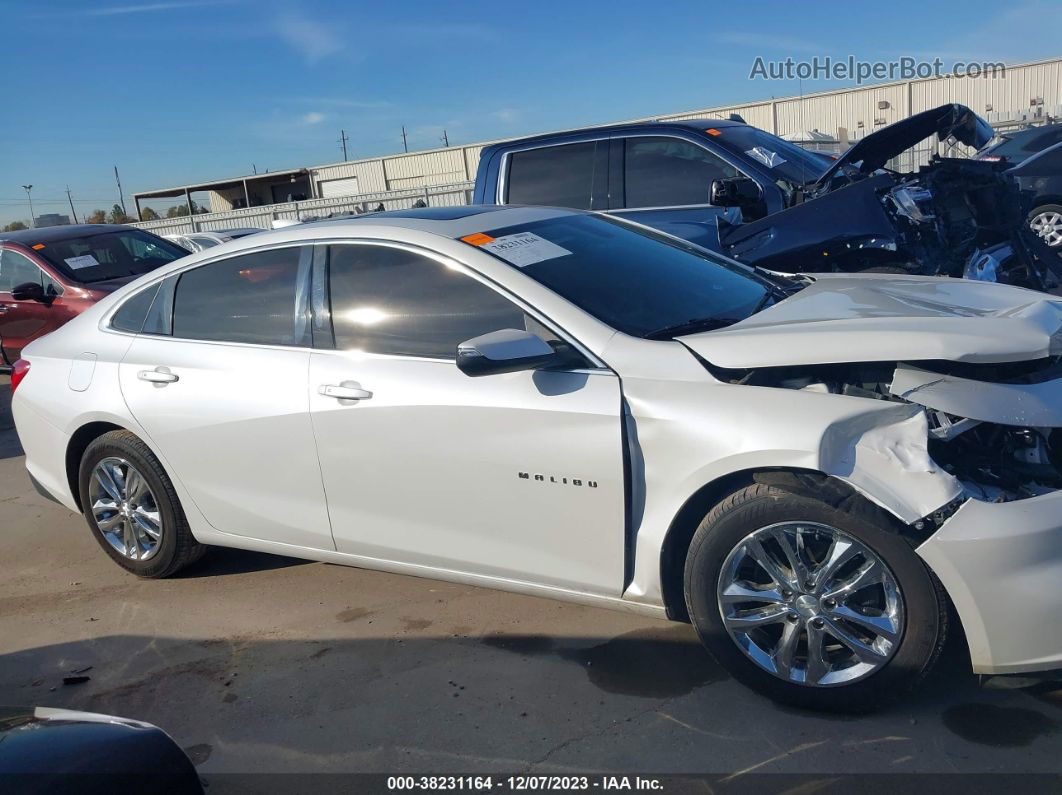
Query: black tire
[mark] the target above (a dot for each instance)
(177, 546)
(759, 505)
(1045, 208)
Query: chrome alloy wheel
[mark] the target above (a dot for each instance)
(810, 604)
(124, 509)
(1048, 225)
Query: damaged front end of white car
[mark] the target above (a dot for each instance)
(971, 460)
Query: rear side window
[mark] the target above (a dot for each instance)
(669, 172)
(391, 301)
(556, 176)
(131, 315)
(253, 299)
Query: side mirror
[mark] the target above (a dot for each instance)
(31, 291)
(737, 192)
(508, 351)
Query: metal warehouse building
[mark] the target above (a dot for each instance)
(1025, 93)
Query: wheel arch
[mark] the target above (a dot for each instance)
(75, 449)
(680, 532)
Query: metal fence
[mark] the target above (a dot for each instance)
(434, 196)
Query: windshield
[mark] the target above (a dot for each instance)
(782, 159)
(635, 280)
(110, 255)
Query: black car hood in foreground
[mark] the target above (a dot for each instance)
(946, 121)
(46, 750)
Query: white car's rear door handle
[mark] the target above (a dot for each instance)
(160, 375)
(348, 390)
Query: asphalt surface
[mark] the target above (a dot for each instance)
(266, 664)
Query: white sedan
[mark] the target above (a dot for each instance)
(565, 404)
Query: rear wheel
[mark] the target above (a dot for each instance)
(813, 603)
(132, 508)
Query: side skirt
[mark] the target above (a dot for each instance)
(215, 538)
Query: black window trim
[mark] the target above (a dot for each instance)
(302, 296)
(596, 365)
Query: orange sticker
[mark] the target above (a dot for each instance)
(38, 246)
(713, 131)
(477, 239)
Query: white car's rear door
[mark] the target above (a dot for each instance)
(223, 396)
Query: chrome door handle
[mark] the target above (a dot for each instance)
(348, 390)
(160, 375)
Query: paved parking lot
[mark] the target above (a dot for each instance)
(259, 663)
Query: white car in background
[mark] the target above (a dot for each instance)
(201, 241)
(565, 404)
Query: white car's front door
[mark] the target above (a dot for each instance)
(517, 476)
(220, 388)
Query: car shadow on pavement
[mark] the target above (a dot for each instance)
(9, 444)
(404, 702)
(220, 561)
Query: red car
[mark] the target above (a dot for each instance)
(49, 275)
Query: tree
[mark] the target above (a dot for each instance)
(14, 226)
(148, 214)
(96, 217)
(118, 215)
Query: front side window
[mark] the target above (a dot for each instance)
(250, 299)
(554, 176)
(391, 301)
(669, 172)
(16, 269)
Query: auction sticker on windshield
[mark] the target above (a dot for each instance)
(84, 261)
(521, 249)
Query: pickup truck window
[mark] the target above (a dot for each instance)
(554, 176)
(635, 280)
(669, 172)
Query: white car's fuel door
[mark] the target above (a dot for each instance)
(219, 385)
(516, 475)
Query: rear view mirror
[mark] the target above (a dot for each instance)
(507, 351)
(737, 192)
(31, 291)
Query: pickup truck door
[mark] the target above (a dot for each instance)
(663, 181)
(517, 476)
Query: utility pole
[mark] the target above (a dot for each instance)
(28, 188)
(72, 213)
(120, 195)
(405, 145)
(343, 138)
(445, 140)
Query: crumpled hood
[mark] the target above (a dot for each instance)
(870, 318)
(876, 149)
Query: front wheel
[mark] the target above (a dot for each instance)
(132, 508)
(815, 603)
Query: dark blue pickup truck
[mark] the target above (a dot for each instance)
(660, 173)
(740, 190)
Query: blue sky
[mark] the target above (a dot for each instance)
(175, 91)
